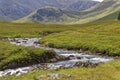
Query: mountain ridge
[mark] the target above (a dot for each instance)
(101, 11)
(14, 9)
(106, 10)
(48, 15)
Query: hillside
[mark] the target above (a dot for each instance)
(49, 15)
(107, 10)
(81, 5)
(14, 9)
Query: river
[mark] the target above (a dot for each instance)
(74, 57)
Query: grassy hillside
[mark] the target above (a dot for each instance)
(107, 10)
(99, 38)
(49, 15)
(15, 9)
(113, 16)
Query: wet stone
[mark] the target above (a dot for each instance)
(86, 64)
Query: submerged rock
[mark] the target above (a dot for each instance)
(86, 64)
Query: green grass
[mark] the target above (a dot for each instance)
(31, 29)
(12, 56)
(109, 71)
(101, 37)
(35, 29)
(98, 37)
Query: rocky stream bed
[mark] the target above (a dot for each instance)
(73, 58)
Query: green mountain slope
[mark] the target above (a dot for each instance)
(15, 9)
(107, 10)
(49, 15)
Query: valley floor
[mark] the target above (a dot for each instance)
(98, 38)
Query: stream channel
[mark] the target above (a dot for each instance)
(74, 57)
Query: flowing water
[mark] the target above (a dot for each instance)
(74, 57)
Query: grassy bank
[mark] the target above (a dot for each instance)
(12, 56)
(101, 37)
(109, 71)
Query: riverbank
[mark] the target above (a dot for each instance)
(12, 56)
(108, 71)
(59, 58)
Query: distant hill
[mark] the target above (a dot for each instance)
(107, 10)
(81, 5)
(49, 15)
(59, 11)
(14, 9)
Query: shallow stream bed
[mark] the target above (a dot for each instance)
(74, 58)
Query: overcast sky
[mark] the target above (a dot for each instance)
(99, 0)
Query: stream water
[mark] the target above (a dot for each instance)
(74, 57)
